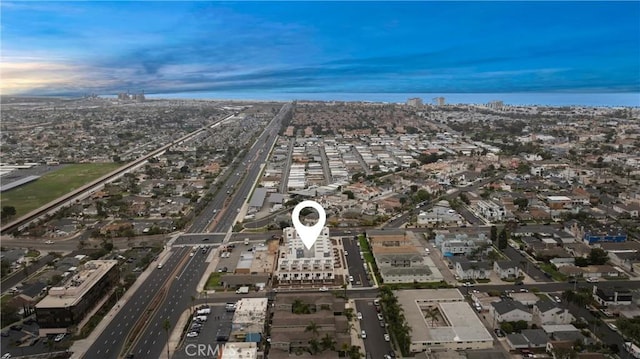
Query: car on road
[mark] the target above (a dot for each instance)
(359, 315)
(346, 253)
(612, 327)
(363, 334)
(323, 289)
(192, 334)
(205, 239)
(386, 337)
(48, 242)
(592, 280)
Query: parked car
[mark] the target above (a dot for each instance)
(363, 334)
(380, 317)
(359, 315)
(386, 337)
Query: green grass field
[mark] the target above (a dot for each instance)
(53, 185)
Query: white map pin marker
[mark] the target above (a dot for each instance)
(308, 234)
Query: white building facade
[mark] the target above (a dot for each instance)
(297, 264)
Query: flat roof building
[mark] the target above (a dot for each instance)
(299, 264)
(249, 317)
(66, 306)
(455, 327)
(240, 350)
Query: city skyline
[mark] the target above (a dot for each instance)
(274, 49)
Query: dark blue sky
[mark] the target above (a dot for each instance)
(417, 47)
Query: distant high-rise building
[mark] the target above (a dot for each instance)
(496, 105)
(414, 102)
(438, 101)
(128, 96)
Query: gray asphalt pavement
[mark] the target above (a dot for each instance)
(355, 263)
(374, 343)
(111, 341)
(179, 297)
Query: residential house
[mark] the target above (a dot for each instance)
(440, 215)
(599, 271)
(467, 269)
(548, 312)
(612, 296)
(509, 311)
(491, 210)
(451, 244)
(507, 269)
(528, 339)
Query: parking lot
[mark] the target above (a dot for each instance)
(212, 332)
(24, 340)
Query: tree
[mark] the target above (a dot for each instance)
(563, 353)
(432, 313)
(327, 342)
(8, 212)
(312, 327)
(503, 240)
(598, 256)
(349, 194)
(521, 202)
(166, 325)
(494, 234)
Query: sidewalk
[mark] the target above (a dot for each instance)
(80, 347)
(355, 331)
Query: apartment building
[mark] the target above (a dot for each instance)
(299, 264)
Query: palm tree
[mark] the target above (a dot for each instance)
(345, 348)
(166, 325)
(312, 327)
(327, 342)
(432, 313)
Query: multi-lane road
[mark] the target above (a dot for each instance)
(110, 342)
(169, 297)
(175, 296)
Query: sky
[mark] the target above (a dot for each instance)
(79, 47)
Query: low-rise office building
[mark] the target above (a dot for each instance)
(66, 306)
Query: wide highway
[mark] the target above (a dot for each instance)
(177, 297)
(109, 343)
(181, 291)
